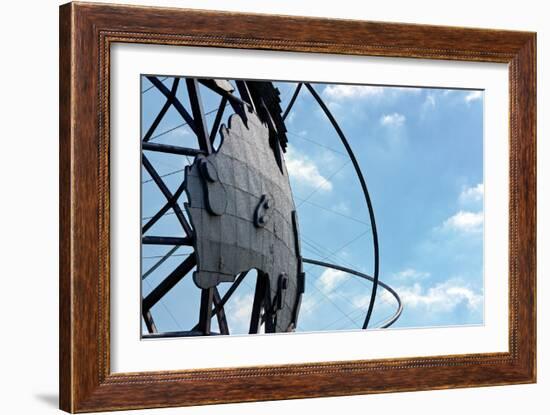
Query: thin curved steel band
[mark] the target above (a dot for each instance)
(385, 324)
(361, 181)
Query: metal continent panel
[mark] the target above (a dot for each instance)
(241, 208)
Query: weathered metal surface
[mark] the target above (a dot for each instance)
(166, 148)
(224, 84)
(265, 99)
(241, 209)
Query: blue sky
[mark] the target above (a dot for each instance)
(421, 151)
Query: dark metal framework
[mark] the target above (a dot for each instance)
(261, 99)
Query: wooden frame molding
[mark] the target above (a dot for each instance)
(86, 33)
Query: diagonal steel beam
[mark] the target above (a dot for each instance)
(218, 120)
(175, 102)
(222, 320)
(167, 194)
(164, 109)
(292, 100)
(201, 128)
(171, 149)
(162, 211)
(165, 240)
(221, 304)
(160, 262)
(169, 282)
(205, 312)
(149, 322)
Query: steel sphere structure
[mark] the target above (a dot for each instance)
(239, 213)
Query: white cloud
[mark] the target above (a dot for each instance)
(340, 92)
(308, 304)
(465, 221)
(239, 310)
(330, 278)
(175, 132)
(392, 120)
(429, 102)
(405, 89)
(472, 194)
(362, 301)
(290, 117)
(304, 171)
(443, 297)
(473, 96)
(341, 207)
(411, 273)
(183, 131)
(384, 299)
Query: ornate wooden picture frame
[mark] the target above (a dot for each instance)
(87, 32)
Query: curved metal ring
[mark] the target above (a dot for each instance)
(390, 320)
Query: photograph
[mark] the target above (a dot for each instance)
(276, 206)
(262, 204)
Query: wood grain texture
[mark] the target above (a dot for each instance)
(65, 249)
(86, 33)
